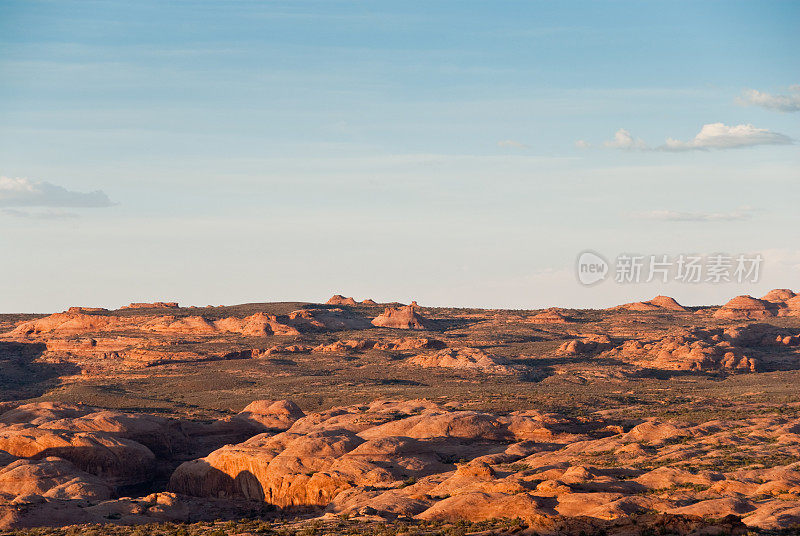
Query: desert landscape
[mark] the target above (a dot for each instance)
(349, 415)
(410, 268)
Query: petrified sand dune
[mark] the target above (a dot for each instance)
(665, 302)
(419, 459)
(401, 318)
(470, 454)
(121, 462)
(51, 477)
(348, 464)
(779, 295)
(462, 358)
(585, 345)
(746, 308)
(267, 415)
(693, 349)
(659, 303)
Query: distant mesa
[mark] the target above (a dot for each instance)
(153, 305)
(338, 299)
(87, 310)
(659, 303)
(747, 308)
(401, 318)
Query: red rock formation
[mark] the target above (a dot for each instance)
(268, 415)
(549, 316)
(463, 359)
(694, 349)
(665, 302)
(779, 295)
(338, 299)
(401, 318)
(87, 310)
(659, 303)
(585, 345)
(345, 346)
(411, 343)
(54, 478)
(746, 308)
(792, 307)
(326, 319)
(153, 305)
(369, 301)
(118, 461)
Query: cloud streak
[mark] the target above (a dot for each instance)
(512, 143)
(741, 214)
(779, 103)
(43, 215)
(22, 192)
(712, 136)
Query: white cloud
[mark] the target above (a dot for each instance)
(624, 140)
(22, 192)
(711, 136)
(741, 214)
(582, 144)
(781, 103)
(721, 136)
(512, 143)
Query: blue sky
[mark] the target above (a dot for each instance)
(261, 151)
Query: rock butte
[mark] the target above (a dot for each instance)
(401, 318)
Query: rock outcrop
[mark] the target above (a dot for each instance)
(694, 349)
(746, 308)
(463, 359)
(153, 305)
(338, 299)
(405, 317)
(659, 303)
(779, 295)
(549, 316)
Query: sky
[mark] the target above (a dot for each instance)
(459, 153)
